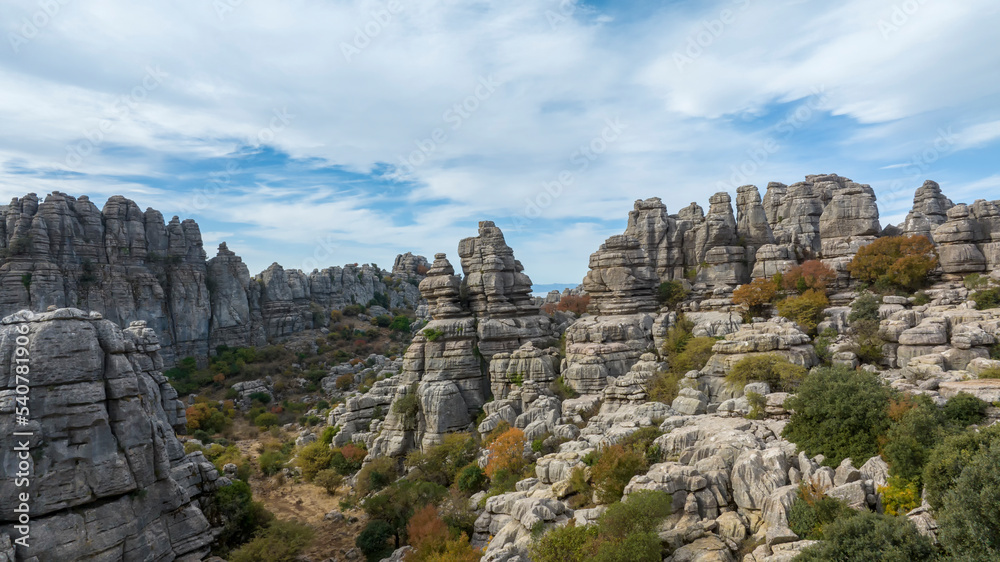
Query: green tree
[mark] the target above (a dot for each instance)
(909, 442)
(859, 538)
(778, 372)
(813, 511)
(232, 508)
(374, 540)
(613, 470)
(839, 413)
(970, 513)
(397, 503)
(949, 458)
(965, 409)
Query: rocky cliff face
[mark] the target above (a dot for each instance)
(110, 480)
(480, 326)
(129, 265)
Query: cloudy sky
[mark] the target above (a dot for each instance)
(316, 133)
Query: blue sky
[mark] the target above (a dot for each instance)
(322, 133)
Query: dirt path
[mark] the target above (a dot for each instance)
(308, 504)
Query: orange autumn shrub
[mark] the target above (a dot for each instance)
(506, 452)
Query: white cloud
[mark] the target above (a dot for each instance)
(225, 77)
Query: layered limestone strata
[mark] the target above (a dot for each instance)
(130, 265)
(110, 479)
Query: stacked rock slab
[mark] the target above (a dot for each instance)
(441, 368)
(969, 240)
(930, 208)
(849, 221)
(110, 479)
(622, 301)
(499, 294)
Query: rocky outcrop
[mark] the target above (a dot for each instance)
(499, 294)
(110, 480)
(929, 211)
(620, 280)
(130, 265)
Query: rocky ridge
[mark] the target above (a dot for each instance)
(129, 265)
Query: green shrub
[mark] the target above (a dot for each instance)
(757, 403)
(947, 460)
(382, 320)
(839, 413)
(664, 386)
(271, 462)
(771, 368)
(642, 441)
(895, 539)
(441, 463)
(969, 518)
(813, 511)
(400, 323)
(266, 420)
(921, 298)
(910, 440)
(613, 470)
(822, 345)
(671, 293)
(374, 540)
(432, 334)
(562, 390)
(989, 298)
(626, 532)
(965, 409)
(374, 476)
(397, 503)
(806, 309)
(314, 457)
(233, 510)
(353, 310)
(407, 408)
(329, 432)
(329, 479)
(281, 541)
(694, 357)
(899, 496)
(865, 307)
(992, 373)
(867, 343)
(471, 479)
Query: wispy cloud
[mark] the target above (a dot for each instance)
(205, 143)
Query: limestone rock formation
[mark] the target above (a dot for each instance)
(499, 294)
(620, 280)
(129, 265)
(929, 211)
(110, 479)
